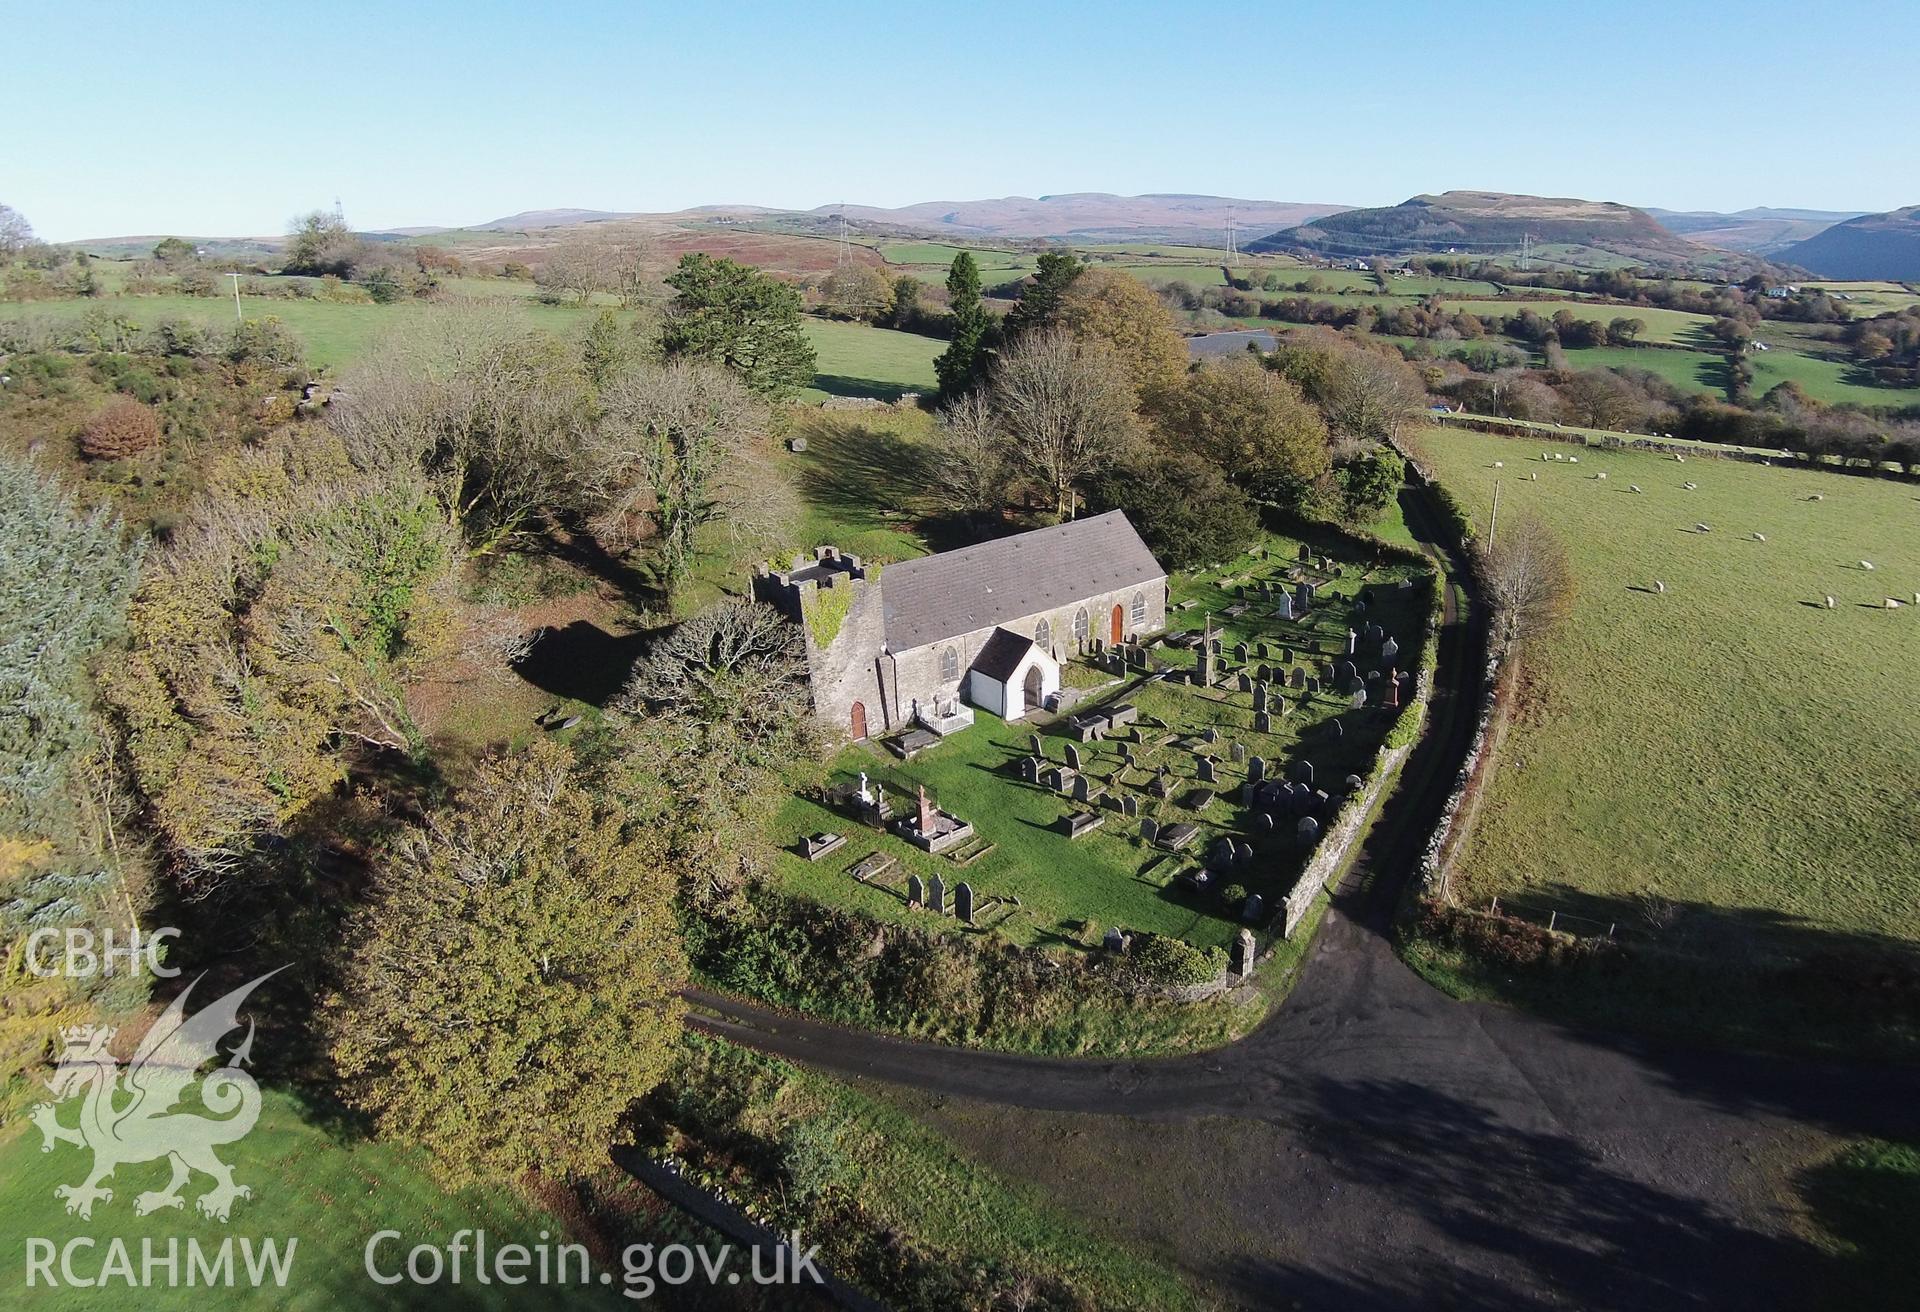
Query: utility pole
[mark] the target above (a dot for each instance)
(236, 298)
(1493, 520)
(1526, 251)
(1231, 244)
(845, 252)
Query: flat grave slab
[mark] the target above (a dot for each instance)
(1077, 823)
(815, 846)
(1176, 836)
(872, 865)
(1197, 799)
(913, 742)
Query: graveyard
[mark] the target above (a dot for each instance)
(1152, 802)
(1725, 732)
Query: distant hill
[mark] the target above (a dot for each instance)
(560, 218)
(1489, 223)
(1757, 231)
(1871, 246)
(1091, 216)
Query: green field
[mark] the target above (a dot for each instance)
(1108, 874)
(329, 1190)
(857, 360)
(1690, 371)
(1823, 380)
(942, 254)
(1732, 745)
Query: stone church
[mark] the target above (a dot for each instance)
(986, 625)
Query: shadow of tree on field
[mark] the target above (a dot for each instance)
(861, 473)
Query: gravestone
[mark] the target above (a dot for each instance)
(1359, 697)
(1030, 769)
(1160, 787)
(1241, 959)
(1286, 654)
(1115, 941)
(1313, 685)
(1148, 829)
(1129, 805)
(1334, 729)
(937, 896)
(1073, 757)
(1206, 775)
(1307, 832)
(1240, 652)
(1393, 688)
(1039, 748)
(1345, 675)
(1262, 722)
(1283, 605)
(1263, 823)
(1209, 735)
(1256, 768)
(1259, 698)
(1389, 651)
(1297, 679)
(1246, 682)
(1353, 642)
(1302, 600)
(963, 902)
(1306, 552)
(1301, 772)
(1239, 753)
(916, 891)
(1081, 788)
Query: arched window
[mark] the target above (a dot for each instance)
(1081, 627)
(1139, 610)
(950, 665)
(1043, 636)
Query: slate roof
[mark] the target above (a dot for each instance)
(992, 583)
(1002, 654)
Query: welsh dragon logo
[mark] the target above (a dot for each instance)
(126, 1116)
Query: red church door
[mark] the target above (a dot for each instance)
(859, 721)
(1119, 634)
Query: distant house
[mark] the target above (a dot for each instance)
(988, 624)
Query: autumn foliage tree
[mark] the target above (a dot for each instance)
(1250, 421)
(1527, 579)
(514, 982)
(1129, 318)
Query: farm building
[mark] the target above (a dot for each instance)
(987, 624)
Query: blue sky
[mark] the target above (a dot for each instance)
(226, 119)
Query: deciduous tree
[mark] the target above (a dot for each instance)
(1251, 422)
(513, 984)
(1067, 408)
(1123, 312)
(1528, 580)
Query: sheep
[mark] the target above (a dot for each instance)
(1534, 477)
(1867, 565)
(1691, 487)
(1830, 603)
(1703, 528)
(1816, 497)
(1499, 464)
(1759, 537)
(1893, 603)
(1600, 476)
(1659, 587)
(1633, 487)
(1573, 460)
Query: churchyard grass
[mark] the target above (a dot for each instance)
(858, 360)
(1731, 746)
(328, 1190)
(1072, 889)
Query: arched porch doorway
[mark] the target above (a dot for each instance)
(1119, 632)
(859, 721)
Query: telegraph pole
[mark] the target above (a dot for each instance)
(1493, 520)
(236, 297)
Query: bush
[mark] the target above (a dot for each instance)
(1155, 960)
(120, 431)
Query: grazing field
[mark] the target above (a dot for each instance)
(942, 254)
(1733, 746)
(1831, 381)
(329, 1192)
(857, 360)
(1691, 371)
(1109, 875)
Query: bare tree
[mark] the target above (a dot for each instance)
(1370, 398)
(678, 447)
(16, 234)
(970, 452)
(741, 663)
(1066, 407)
(578, 269)
(488, 412)
(1527, 578)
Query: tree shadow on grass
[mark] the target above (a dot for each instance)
(582, 662)
(846, 385)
